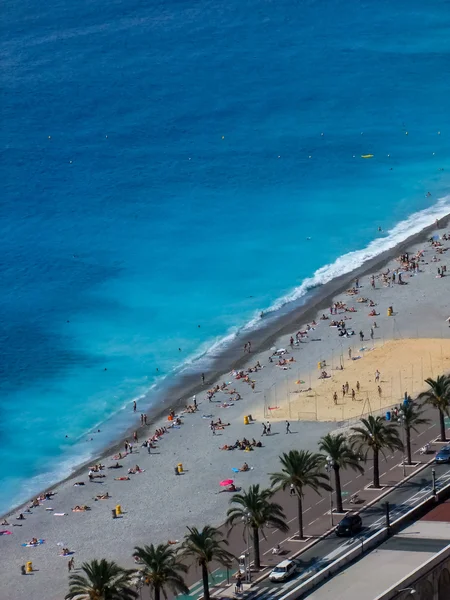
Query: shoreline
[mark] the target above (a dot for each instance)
(293, 315)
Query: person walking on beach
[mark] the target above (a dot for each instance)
(268, 428)
(249, 345)
(347, 387)
(245, 347)
(349, 354)
(126, 446)
(264, 431)
(353, 394)
(335, 398)
(142, 418)
(343, 390)
(135, 437)
(194, 400)
(379, 391)
(357, 386)
(371, 333)
(213, 428)
(145, 419)
(377, 376)
(356, 283)
(134, 406)
(288, 427)
(361, 336)
(203, 378)
(149, 447)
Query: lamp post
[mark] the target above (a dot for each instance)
(329, 467)
(248, 574)
(401, 418)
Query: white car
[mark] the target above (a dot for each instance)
(283, 571)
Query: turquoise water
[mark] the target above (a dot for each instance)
(162, 168)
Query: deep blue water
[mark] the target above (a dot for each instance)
(162, 167)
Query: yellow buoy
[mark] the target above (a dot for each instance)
(366, 155)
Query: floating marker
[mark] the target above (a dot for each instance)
(366, 155)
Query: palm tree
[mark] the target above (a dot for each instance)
(340, 456)
(206, 546)
(375, 434)
(257, 511)
(411, 418)
(438, 396)
(103, 580)
(301, 469)
(162, 569)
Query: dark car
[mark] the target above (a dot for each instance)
(349, 525)
(443, 456)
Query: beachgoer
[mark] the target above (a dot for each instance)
(361, 336)
(264, 431)
(292, 490)
(353, 394)
(145, 419)
(134, 406)
(350, 354)
(347, 387)
(379, 391)
(335, 398)
(203, 378)
(377, 375)
(343, 391)
(135, 437)
(357, 386)
(268, 428)
(288, 427)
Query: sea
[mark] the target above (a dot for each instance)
(170, 170)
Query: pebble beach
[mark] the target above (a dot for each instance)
(405, 347)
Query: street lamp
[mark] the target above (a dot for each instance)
(329, 467)
(401, 418)
(248, 574)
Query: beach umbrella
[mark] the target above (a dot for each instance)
(226, 482)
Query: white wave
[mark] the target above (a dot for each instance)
(346, 263)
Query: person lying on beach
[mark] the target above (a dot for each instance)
(33, 542)
(4, 522)
(172, 542)
(226, 447)
(137, 469)
(121, 479)
(35, 503)
(244, 468)
(373, 313)
(116, 466)
(82, 508)
(102, 496)
(97, 468)
(324, 317)
(77, 483)
(65, 552)
(230, 488)
(20, 517)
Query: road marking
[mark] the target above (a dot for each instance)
(313, 521)
(348, 483)
(320, 501)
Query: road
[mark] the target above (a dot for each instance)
(317, 518)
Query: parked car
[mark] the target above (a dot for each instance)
(283, 571)
(443, 456)
(349, 525)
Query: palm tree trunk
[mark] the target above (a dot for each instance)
(300, 514)
(442, 425)
(255, 535)
(157, 592)
(376, 469)
(408, 446)
(337, 485)
(205, 582)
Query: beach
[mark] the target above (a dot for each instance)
(405, 348)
